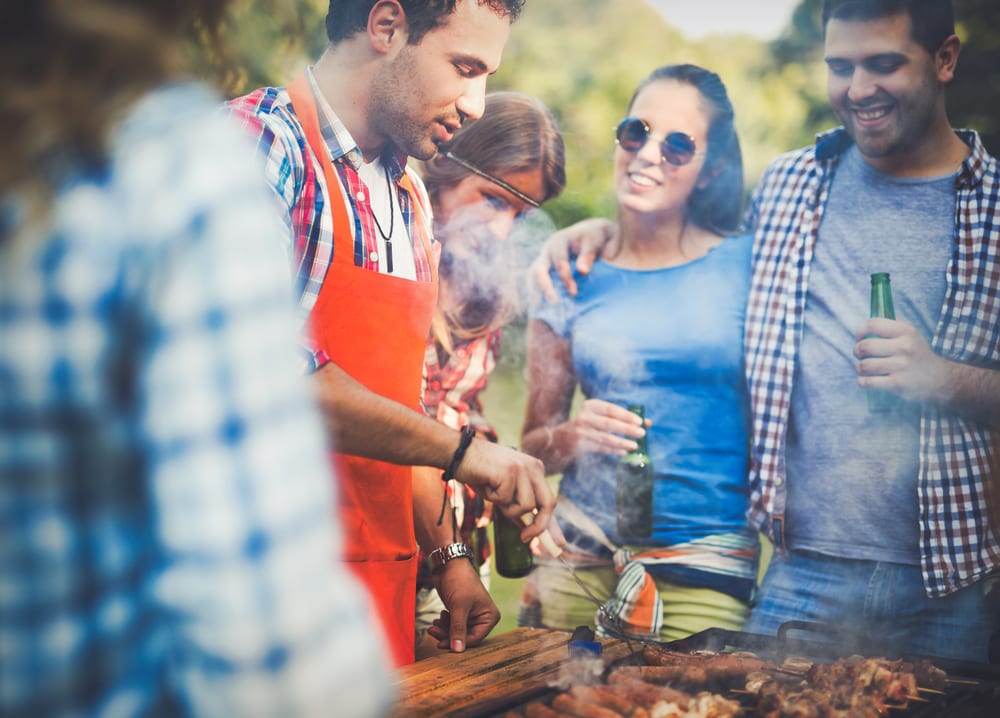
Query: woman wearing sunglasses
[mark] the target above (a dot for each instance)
(492, 172)
(658, 322)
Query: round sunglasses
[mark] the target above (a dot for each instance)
(676, 148)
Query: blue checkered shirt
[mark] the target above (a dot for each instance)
(958, 547)
(167, 535)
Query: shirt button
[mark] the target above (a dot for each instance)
(778, 481)
(360, 196)
(373, 256)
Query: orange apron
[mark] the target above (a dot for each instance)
(373, 326)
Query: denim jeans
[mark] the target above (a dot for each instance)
(883, 602)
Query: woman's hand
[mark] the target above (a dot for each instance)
(600, 427)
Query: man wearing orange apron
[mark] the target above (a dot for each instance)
(382, 91)
(393, 315)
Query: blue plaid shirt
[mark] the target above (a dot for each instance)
(957, 544)
(167, 536)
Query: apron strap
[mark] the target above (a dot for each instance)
(305, 110)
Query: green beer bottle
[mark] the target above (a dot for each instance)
(511, 555)
(634, 491)
(881, 306)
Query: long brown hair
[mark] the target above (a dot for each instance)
(72, 67)
(517, 133)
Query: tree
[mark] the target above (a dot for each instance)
(974, 97)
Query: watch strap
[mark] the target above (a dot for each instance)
(440, 556)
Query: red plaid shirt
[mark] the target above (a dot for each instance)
(958, 546)
(296, 176)
(450, 394)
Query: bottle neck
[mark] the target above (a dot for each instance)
(881, 302)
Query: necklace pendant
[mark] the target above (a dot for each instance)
(388, 256)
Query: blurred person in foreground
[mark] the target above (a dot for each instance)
(678, 181)
(487, 178)
(166, 538)
(398, 79)
(881, 521)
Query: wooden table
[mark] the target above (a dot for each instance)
(521, 664)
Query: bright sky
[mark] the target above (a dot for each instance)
(696, 18)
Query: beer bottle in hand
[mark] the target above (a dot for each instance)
(881, 306)
(512, 556)
(634, 476)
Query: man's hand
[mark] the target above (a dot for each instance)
(470, 613)
(514, 482)
(894, 357)
(585, 239)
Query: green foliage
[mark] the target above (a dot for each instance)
(264, 42)
(974, 97)
(584, 57)
(594, 54)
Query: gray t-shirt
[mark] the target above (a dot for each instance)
(852, 475)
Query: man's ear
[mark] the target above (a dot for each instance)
(946, 58)
(387, 25)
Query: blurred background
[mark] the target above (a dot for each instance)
(583, 58)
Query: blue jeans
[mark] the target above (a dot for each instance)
(883, 602)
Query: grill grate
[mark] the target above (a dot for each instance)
(972, 691)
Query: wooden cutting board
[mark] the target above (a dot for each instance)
(511, 667)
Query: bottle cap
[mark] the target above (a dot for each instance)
(582, 643)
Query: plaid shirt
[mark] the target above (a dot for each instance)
(450, 394)
(296, 176)
(166, 525)
(957, 545)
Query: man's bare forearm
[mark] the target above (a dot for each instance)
(973, 392)
(428, 498)
(367, 424)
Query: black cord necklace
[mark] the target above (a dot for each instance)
(387, 238)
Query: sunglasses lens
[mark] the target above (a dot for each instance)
(677, 149)
(631, 134)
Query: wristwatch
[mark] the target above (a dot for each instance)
(440, 556)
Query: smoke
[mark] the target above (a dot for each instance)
(484, 273)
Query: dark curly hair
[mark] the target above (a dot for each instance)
(344, 18)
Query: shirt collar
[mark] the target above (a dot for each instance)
(339, 141)
(832, 144)
(975, 165)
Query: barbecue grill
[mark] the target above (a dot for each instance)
(972, 689)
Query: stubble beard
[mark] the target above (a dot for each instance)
(389, 111)
(911, 124)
